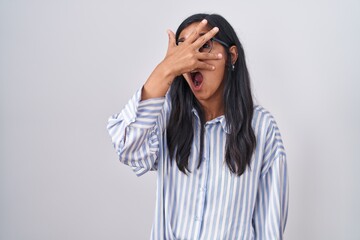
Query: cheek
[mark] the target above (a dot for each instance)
(220, 69)
(219, 64)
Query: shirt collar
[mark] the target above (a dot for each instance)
(220, 119)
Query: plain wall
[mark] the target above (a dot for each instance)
(66, 66)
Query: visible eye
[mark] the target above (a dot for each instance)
(206, 47)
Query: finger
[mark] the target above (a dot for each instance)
(209, 56)
(172, 41)
(195, 34)
(205, 66)
(204, 38)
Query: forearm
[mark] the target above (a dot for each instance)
(158, 82)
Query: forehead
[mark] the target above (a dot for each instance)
(184, 34)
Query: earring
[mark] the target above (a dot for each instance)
(233, 67)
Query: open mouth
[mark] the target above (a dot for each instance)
(197, 79)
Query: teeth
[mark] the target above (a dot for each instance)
(196, 83)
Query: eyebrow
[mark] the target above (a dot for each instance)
(183, 39)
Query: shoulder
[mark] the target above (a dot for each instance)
(267, 129)
(262, 118)
(269, 141)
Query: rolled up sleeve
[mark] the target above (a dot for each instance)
(135, 132)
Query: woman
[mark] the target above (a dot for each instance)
(196, 109)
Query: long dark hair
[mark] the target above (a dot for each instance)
(238, 106)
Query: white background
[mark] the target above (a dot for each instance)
(66, 66)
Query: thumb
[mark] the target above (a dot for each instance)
(172, 41)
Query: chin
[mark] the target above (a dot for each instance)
(201, 96)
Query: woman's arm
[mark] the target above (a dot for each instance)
(135, 132)
(138, 129)
(271, 210)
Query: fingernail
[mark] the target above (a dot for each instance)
(204, 21)
(213, 67)
(216, 29)
(219, 55)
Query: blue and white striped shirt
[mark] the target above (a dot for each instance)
(210, 202)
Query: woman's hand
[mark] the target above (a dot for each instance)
(185, 57)
(180, 59)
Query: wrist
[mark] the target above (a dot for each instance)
(158, 83)
(167, 70)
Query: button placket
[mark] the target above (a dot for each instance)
(203, 184)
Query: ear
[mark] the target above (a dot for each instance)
(234, 54)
